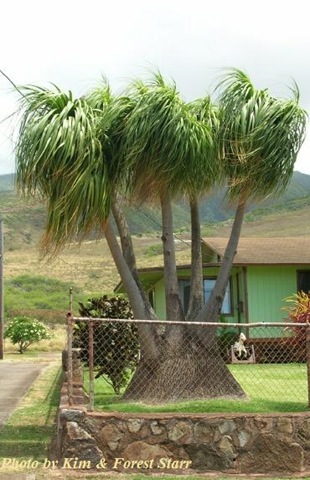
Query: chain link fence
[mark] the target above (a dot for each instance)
(255, 367)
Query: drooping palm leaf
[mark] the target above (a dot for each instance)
(260, 137)
(59, 156)
(167, 146)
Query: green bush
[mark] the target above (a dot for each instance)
(116, 347)
(154, 250)
(298, 312)
(32, 292)
(24, 331)
(226, 337)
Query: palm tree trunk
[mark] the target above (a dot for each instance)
(128, 252)
(196, 293)
(174, 334)
(174, 309)
(124, 233)
(148, 336)
(212, 311)
(190, 363)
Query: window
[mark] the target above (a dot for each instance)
(208, 285)
(303, 280)
(185, 290)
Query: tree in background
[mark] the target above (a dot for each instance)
(24, 331)
(116, 352)
(84, 155)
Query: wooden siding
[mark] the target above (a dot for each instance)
(267, 288)
(159, 289)
(160, 301)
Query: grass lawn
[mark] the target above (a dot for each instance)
(270, 388)
(28, 432)
(27, 435)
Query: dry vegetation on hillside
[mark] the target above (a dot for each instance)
(91, 267)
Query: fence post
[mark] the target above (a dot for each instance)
(308, 361)
(69, 352)
(91, 365)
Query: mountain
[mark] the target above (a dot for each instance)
(214, 208)
(7, 182)
(24, 220)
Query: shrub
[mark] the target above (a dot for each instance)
(299, 312)
(226, 337)
(34, 292)
(24, 331)
(116, 347)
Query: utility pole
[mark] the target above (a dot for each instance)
(1, 291)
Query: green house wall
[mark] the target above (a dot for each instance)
(267, 288)
(257, 292)
(159, 299)
(159, 293)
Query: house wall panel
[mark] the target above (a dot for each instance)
(160, 302)
(267, 288)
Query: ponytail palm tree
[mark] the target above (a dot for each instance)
(65, 155)
(207, 112)
(81, 155)
(260, 137)
(170, 153)
(97, 147)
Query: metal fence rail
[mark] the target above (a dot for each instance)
(265, 365)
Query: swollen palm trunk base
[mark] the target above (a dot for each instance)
(195, 373)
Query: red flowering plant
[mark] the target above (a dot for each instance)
(298, 312)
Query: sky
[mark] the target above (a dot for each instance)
(73, 44)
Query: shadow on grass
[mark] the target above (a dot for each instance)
(270, 388)
(112, 403)
(29, 431)
(25, 441)
(52, 396)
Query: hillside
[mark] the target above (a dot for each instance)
(89, 268)
(24, 220)
(6, 182)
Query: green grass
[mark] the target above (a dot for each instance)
(37, 292)
(270, 388)
(28, 432)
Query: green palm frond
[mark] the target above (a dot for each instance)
(260, 137)
(207, 167)
(114, 126)
(100, 97)
(166, 143)
(59, 156)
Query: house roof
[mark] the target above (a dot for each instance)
(250, 251)
(261, 251)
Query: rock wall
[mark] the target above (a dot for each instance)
(179, 443)
(153, 442)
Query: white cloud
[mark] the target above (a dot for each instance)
(72, 43)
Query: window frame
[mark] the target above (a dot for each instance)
(230, 313)
(298, 273)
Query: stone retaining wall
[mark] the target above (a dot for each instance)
(154, 443)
